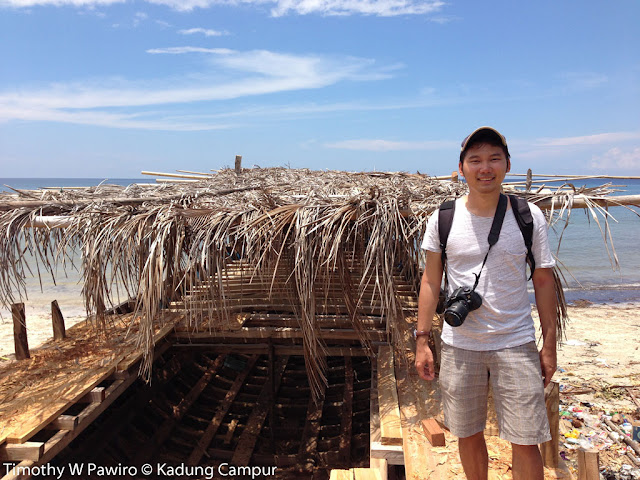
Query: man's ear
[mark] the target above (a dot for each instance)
(460, 169)
(508, 165)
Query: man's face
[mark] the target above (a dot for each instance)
(484, 168)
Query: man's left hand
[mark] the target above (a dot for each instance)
(549, 363)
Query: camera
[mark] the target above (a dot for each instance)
(459, 304)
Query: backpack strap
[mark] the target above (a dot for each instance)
(522, 212)
(445, 220)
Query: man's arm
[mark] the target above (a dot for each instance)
(427, 303)
(546, 301)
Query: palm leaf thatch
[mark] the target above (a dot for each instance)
(324, 229)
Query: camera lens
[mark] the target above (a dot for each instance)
(456, 313)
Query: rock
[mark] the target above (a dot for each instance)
(577, 423)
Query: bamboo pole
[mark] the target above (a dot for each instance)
(616, 177)
(580, 201)
(20, 331)
(195, 173)
(172, 175)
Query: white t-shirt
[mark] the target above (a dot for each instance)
(504, 319)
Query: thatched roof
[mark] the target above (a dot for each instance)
(153, 243)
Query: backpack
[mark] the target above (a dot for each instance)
(521, 211)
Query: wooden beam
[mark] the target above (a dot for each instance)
(380, 456)
(337, 474)
(588, 464)
(238, 164)
(249, 437)
(64, 422)
(366, 474)
(346, 425)
(434, 433)
(263, 348)
(550, 450)
(221, 411)
(164, 431)
(20, 331)
(390, 428)
(96, 395)
(313, 423)
(279, 332)
(23, 451)
(58, 321)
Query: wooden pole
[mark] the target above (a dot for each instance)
(550, 450)
(58, 321)
(238, 164)
(588, 465)
(20, 331)
(529, 179)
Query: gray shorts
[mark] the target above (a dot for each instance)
(517, 386)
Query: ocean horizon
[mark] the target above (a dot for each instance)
(585, 259)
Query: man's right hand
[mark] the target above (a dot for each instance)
(424, 359)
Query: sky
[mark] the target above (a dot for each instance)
(108, 88)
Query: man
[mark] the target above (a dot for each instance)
(496, 342)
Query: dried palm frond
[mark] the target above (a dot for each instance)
(303, 233)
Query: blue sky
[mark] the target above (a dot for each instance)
(107, 88)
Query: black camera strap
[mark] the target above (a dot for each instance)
(494, 235)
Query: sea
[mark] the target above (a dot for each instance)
(585, 251)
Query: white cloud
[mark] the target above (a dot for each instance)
(596, 139)
(376, 145)
(182, 50)
(205, 31)
(234, 75)
(383, 8)
(617, 159)
(584, 80)
(57, 3)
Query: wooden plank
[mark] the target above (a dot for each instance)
(390, 427)
(366, 474)
(551, 450)
(313, 423)
(221, 411)
(247, 441)
(279, 332)
(588, 464)
(24, 451)
(434, 433)
(419, 399)
(280, 350)
(20, 432)
(20, 331)
(341, 475)
(391, 454)
(172, 319)
(346, 422)
(164, 431)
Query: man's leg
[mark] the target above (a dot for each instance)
(474, 456)
(526, 462)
